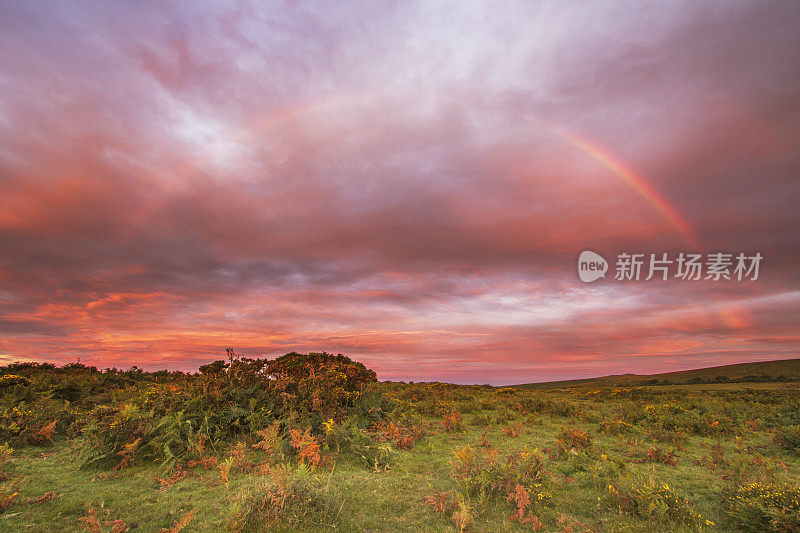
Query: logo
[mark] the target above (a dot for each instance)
(591, 266)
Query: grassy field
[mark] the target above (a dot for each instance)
(782, 371)
(322, 446)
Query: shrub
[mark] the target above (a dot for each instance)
(485, 473)
(33, 423)
(615, 427)
(788, 438)
(290, 497)
(270, 442)
(403, 436)
(676, 438)
(10, 380)
(653, 503)
(657, 455)
(505, 415)
(462, 517)
(573, 439)
(764, 507)
(118, 436)
(306, 447)
(376, 457)
(440, 501)
(480, 419)
(453, 422)
(520, 498)
(545, 405)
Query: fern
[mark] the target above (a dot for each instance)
(181, 523)
(48, 431)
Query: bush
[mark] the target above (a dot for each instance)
(761, 507)
(614, 427)
(485, 474)
(571, 438)
(788, 438)
(653, 503)
(403, 435)
(11, 380)
(166, 422)
(505, 415)
(376, 457)
(676, 438)
(453, 422)
(546, 405)
(480, 419)
(290, 497)
(657, 455)
(35, 422)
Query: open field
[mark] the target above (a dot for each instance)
(763, 372)
(313, 443)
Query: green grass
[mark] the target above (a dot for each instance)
(392, 500)
(719, 456)
(760, 373)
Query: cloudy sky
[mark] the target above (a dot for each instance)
(406, 183)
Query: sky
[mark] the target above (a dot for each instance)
(407, 183)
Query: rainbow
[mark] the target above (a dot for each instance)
(636, 181)
(602, 156)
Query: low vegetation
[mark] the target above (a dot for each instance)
(314, 442)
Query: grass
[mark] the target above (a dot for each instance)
(651, 458)
(767, 374)
(384, 501)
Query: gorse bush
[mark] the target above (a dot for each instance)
(131, 416)
(11, 380)
(764, 507)
(488, 473)
(35, 422)
(654, 503)
(615, 426)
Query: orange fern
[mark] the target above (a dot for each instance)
(46, 497)
(513, 431)
(307, 447)
(48, 431)
(181, 523)
(90, 522)
(440, 501)
(174, 478)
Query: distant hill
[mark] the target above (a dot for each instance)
(765, 371)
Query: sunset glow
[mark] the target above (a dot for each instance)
(409, 184)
